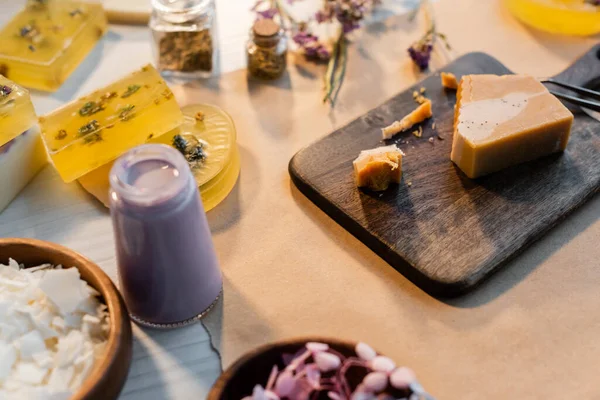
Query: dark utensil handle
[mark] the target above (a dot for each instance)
(592, 105)
(577, 89)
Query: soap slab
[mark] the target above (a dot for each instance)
(96, 129)
(42, 45)
(505, 120)
(20, 160)
(16, 111)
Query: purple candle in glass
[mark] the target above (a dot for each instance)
(167, 264)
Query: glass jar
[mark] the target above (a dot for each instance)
(568, 17)
(267, 50)
(168, 269)
(185, 43)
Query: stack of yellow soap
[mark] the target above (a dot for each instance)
(22, 152)
(46, 41)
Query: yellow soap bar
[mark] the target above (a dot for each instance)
(46, 41)
(377, 168)
(97, 128)
(16, 111)
(505, 120)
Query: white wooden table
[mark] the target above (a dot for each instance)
(176, 364)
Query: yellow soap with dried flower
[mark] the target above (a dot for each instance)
(95, 129)
(42, 45)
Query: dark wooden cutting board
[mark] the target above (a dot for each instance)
(446, 232)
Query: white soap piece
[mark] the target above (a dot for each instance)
(73, 321)
(63, 288)
(8, 356)
(43, 359)
(20, 161)
(61, 377)
(58, 323)
(30, 344)
(28, 372)
(69, 347)
(13, 264)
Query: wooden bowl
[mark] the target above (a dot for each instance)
(108, 376)
(255, 367)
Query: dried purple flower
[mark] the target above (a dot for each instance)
(348, 13)
(421, 54)
(311, 46)
(5, 91)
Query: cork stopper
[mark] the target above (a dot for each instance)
(265, 27)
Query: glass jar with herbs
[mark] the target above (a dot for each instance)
(267, 50)
(184, 37)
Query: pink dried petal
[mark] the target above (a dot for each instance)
(327, 361)
(271, 396)
(383, 364)
(316, 346)
(313, 375)
(302, 391)
(272, 377)
(258, 393)
(365, 352)
(298, 361)
(286, 383)
(402, 378)
(376, 381)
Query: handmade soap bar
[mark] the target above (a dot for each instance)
(20, 161)
(501, 121)
(16, 111)
(99, 127)
(46, 41)
(377, 168)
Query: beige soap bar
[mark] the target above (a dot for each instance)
(377, 168)
(500, 121)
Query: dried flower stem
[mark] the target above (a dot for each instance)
(336, 70)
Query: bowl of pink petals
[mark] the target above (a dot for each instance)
(317, 369)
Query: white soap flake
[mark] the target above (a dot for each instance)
(62, 287)
(8, 356)
(52, 330)
(28, 372)
(30, 344)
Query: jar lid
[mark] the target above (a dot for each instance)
(180, 11)
(265, 27)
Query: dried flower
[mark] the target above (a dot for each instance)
(311, 46)
(317, 371)
(5, 91)
(420, 51)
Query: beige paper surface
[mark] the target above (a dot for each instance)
(531, 332)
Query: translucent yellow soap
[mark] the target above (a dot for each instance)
(95, 129)
(46, 41)
(16, 111)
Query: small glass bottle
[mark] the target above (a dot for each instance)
(168, 268)
(185, 44)
(267, 50)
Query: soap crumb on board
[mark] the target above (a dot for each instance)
(431, 140)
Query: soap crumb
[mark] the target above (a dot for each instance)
(440, 137)
(409, 184)
(419, 132)
(431, 140)
(422, 90)
(433, 126)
